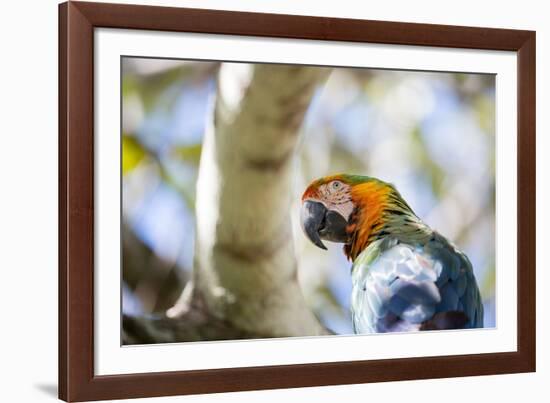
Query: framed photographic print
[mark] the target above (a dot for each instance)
(253, 201)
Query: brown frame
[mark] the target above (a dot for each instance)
(77, 21)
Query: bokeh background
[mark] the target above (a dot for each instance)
(430, 134)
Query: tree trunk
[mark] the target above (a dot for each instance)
(245, 275)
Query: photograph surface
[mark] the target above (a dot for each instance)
(269, 200)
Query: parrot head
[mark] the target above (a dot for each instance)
(351, 209)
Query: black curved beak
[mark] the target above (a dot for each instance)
(312, 218)
(320, 223)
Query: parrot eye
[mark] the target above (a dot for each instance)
(336, 185)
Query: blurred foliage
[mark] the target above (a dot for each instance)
(431, 134)
(189, 154)
(132, 153)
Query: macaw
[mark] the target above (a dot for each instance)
(405, 276)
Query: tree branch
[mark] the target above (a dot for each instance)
(245, 274)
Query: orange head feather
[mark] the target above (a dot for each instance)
(366, 204)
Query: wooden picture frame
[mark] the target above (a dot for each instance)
(77, 21)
